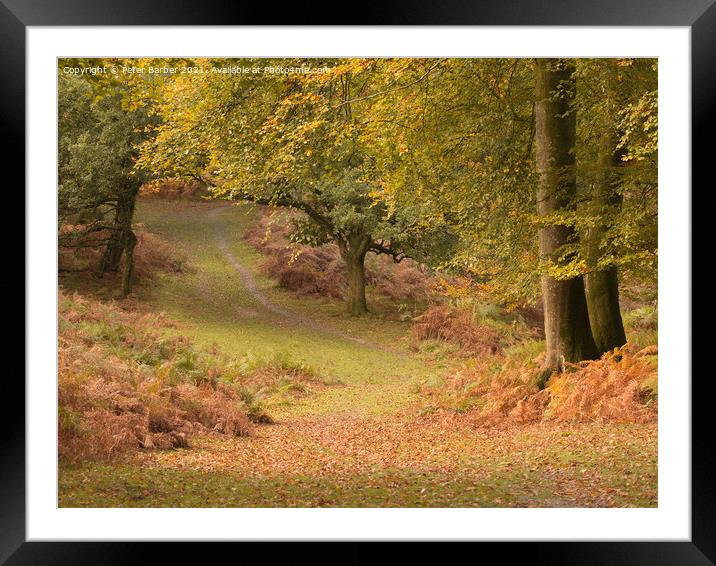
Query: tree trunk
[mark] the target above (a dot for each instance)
(567, 332)
(353, 253)
(113, 252)
(131, 242)
(605, 319)
(602, 286)
(122, 227)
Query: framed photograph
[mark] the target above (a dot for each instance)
(410, 279)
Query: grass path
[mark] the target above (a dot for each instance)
(361, 443)
(249, 283)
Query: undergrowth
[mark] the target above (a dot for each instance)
(642, 325)
(471, 328)
(620, 387)
(152, 254)
(309, 271)
(126, 383)
(174, 189)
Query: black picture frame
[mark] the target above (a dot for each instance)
(699, 15)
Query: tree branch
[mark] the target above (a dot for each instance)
(381, 248)
(287, 201)
(387, 91)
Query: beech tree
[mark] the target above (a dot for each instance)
(568, 335)
(602, 171)
(602, 284)
(617, 193)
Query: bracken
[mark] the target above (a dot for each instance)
(123, 386)
(621, 387)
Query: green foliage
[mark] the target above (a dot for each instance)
(616, 103)
(98, 137)
(462, 136)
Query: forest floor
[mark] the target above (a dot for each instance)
(363, 439)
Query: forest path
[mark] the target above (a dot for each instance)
(248, 281)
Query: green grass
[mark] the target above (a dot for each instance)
(125, 486)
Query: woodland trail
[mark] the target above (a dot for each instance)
(248, 281)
